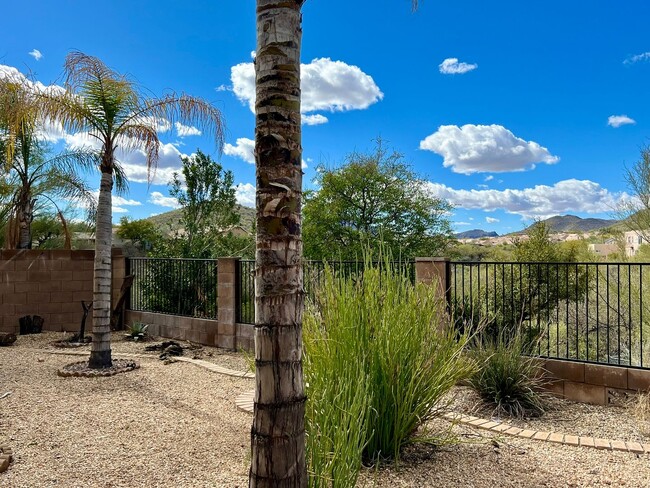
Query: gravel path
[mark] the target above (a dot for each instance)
(177, 425)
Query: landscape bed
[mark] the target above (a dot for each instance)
(177, 425)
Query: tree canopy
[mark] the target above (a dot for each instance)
(373, 198)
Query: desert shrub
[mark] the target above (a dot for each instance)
(506, 378)
(137, 331)
(642, 412)
(379, 357)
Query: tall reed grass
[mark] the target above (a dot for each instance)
(379, 355)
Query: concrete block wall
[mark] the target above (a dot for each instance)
(49, 283)
(598, 384)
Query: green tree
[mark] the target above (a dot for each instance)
(635, 211)
(209, 226)
(373, 199)
(142, 233)
(120, 115)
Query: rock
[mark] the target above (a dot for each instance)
(7, 339)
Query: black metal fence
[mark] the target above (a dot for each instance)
(174, 286)
(313, 273)
(589, 312)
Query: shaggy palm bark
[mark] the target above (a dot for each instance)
(100, 354)
(278, 432)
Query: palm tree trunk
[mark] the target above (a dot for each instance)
(278, 432)
(100, 354)
(25, 216)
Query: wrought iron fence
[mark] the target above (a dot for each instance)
(174, 286)
(313, 274)
(589, 312)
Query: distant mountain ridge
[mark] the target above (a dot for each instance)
(574, 224)
(475, 234)
(166, 220)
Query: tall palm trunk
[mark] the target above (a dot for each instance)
(25, 216)
(100, 354)
(278, 432)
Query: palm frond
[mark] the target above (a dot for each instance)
(120, 179)
(181, 108)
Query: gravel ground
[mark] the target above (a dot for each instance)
(176, 425)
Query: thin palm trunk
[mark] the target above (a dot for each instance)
(100, 354)
(278, 432)
(25, 216)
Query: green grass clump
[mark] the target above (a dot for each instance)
(507, 379)
(379, 355)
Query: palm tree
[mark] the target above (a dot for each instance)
(30, 181)
(115, 111)
(278, 432)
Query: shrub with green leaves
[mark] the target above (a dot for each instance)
(137, 331)
(506, 378)
(379, 355)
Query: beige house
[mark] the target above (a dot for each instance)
(603, 250)
(633, 241)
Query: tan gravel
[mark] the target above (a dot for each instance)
(177, 425)
(158, 426)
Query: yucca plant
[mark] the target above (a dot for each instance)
(508, 379)
(137, 331)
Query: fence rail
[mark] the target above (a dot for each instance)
(589, 312)
(313, 273)
(174, 286)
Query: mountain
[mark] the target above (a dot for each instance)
(574, 224)
(475, 234)
(164, 220)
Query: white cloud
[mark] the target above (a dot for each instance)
(118, 203)
(36, 54)
(451, 66)
(489, 178)
(158, 198)
(222, 88)
(491, 220)
(485, 148)
(459, 224)
(15, 75)
(186, 130)
(637, 58)
(316, 119)
(541, 201)
(327, 85)
(619, 120)
(245, 194)
(243, 149)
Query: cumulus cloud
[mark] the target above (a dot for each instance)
(158, 198)
(485, 148)
(451, 66)
(243, 149)
(119, 203)
(316, 119)
(36, 54)
(332, 86)
(491, 220)
(637, 58)
(541, 201)
(619, 120)
(459, 224)
(489, 178)
(186, 130)
(14, 75)
(245, 194)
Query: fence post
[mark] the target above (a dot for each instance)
(227, 302)
(436, 272)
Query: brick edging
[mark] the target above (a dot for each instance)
(554, 437)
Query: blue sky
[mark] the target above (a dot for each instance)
(503, 106)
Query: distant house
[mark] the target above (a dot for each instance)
(633, 241)
(603, 250)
